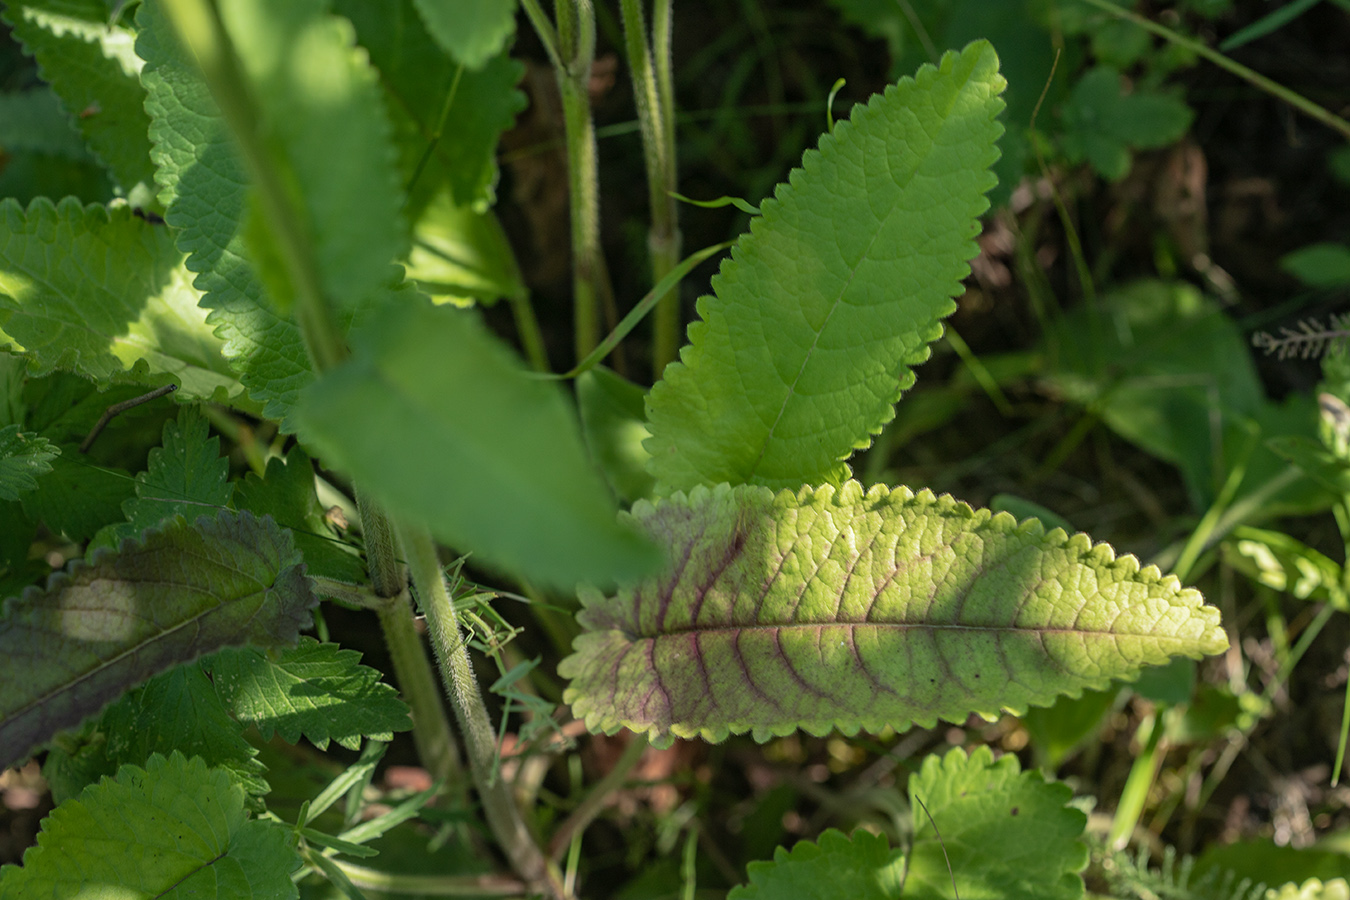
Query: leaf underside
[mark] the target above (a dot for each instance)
(830, 608)
(838, 288)
(109, 623)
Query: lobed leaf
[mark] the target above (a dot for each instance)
(831, 608)
(110, 622)
(1007, 834)
(175, 710)
(316, 690)
(90, 64)
(861, 867)
(453, 432)
(174, 829)
(837, 289)
(95, 290)
(1102, 123)
(23, 457)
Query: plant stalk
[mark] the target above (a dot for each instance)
(503, 816)
(652, 89)
(590, 279)
(203, 33)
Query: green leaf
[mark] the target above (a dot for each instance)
(204, 187)
(23, 457)
(77, 498)
(110, 622)
(1102, 123)
(176, 710)
(1264, 860)
(94, 290)
(420, 79)
(322, 111)
(836, 291)
(1312, 889)
(1286, 564)
(174, 829)
(1324, 265)
(863, 867)
(613, 421)
(287, 494)
(831, 608)
(91, 66)
(36, 121)
(316, 690)
(473, 31)
(462, 255)
(443, 424)
(1007, 833)
(186, 477)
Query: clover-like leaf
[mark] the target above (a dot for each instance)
(317, 690)
(110, 622)
(1102, 123)
(831, 608)
(837, 290)
(172, 829)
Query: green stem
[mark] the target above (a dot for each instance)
(656, 117)
(502, 814)
(1299, 102)
(202, 32)
(1142, 773)
(595, 801)
(590, 279)
(430, 885)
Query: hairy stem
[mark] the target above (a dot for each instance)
(503, 816)
(656, 115)
(203, 33)
(590, 279)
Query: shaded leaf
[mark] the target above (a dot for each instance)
(90, 65)
(419, 78)
(316, 690)
(836, 291)
(36, 121)
(172, 829)
(176, 710)
(77, 498)
(1102, 123)
(473, 31)
(831, 608)
(1325, 265)
(863, 867)
(462, 255)
(453, 432)
(287, 494)
(614, 424)
(1007, 833)
(94, 290)
(23, 457)
(110, 622)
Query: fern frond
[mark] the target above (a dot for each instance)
(1308, 339)
(1131, 878)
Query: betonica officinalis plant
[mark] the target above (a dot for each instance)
(254, 387)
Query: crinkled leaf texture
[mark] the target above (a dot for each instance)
(94, 290)
(174, 829)
(1008, 833)
(23, 457)
(830, 608)
(836, 291)
(442, 423)
(317, 690)
(338, 152)
(110, 622)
